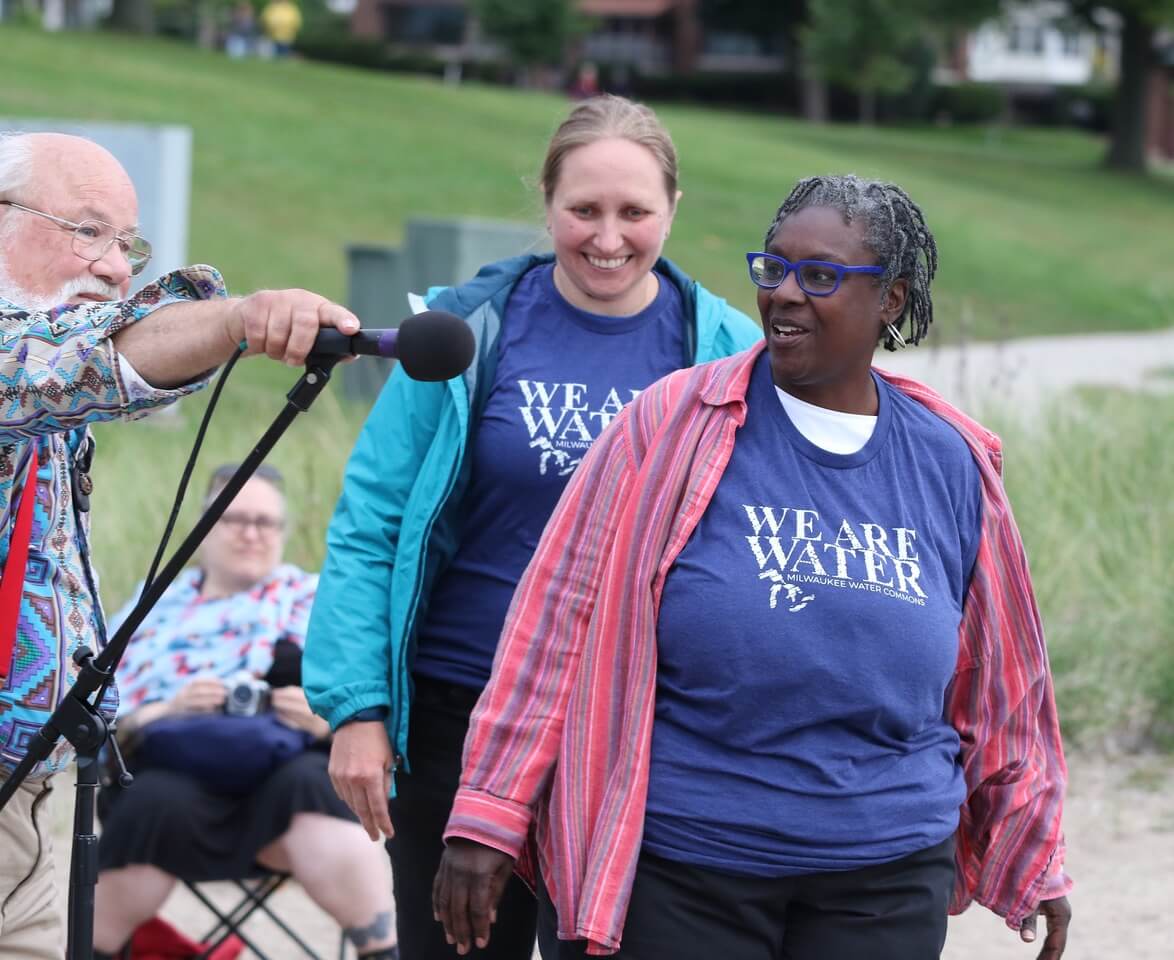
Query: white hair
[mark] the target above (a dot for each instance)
(16, 170)
(16, 162)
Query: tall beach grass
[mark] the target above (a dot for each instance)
(1092, 486)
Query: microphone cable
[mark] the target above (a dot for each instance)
(189, 467)
(184, 480)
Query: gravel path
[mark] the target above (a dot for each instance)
(1023, 374)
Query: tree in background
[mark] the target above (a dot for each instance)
(871, 46)
(151, 16)
(1140, 22)
(860, 45)
(132, 16)
(813, 87)
(535, 33)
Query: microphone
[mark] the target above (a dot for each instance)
(433, 345)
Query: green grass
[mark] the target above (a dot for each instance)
(295, 160)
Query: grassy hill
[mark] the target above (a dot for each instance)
(295, 160)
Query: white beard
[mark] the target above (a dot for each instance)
(86, 283)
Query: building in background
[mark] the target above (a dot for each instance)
(1035, 46)
(649, 36)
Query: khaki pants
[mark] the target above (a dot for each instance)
(31, 924)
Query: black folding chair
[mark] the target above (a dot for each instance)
(255, 893)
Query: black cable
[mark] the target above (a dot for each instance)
(189, 467)
(179, 494)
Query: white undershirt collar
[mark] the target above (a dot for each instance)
(830, 430)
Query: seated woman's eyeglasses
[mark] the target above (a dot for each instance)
(92, 238)
(264, 525)
(817, 278)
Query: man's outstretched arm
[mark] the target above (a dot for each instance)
(181, 342)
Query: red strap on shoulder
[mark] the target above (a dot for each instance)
(12, 582)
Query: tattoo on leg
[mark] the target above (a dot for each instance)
(377, 929)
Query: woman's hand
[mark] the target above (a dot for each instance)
(360, 769)
(293, 709)
(467, 889)
(202, 695)
(1058, 914)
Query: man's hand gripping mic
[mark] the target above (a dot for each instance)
(433, 345)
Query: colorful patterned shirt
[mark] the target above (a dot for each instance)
(59, 372)
(557, 758)
(187, 636)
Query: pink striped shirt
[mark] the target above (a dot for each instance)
(556, 761)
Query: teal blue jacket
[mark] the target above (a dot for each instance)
(393, 530)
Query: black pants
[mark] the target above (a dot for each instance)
(419, 812)
(895, 911)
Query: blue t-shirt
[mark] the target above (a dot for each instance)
(806, 636)
(562, 376)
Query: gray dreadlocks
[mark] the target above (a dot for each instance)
(894, 230)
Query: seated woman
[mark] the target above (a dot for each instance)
(241, 610)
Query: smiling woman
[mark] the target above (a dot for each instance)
(449, 486)
(609, 217)
(774, 678)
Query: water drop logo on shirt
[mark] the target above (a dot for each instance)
(563, 422)
(795, 550)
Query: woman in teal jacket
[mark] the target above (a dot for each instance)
(450, 484)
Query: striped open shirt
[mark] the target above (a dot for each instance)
(556, 761)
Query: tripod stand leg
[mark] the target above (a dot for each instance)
(84, 862)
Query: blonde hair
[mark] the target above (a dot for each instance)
(606, 117)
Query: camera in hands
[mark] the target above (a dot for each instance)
(247, 695)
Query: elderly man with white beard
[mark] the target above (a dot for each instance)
(74, 350)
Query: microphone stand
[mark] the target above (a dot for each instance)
(80, 722)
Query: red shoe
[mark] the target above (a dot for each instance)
(159, 940)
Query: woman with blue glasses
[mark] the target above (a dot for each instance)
(774, 683)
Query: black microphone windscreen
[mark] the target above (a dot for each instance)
(434, 345)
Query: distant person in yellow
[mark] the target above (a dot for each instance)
(281, 21)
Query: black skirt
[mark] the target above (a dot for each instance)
(170, 821)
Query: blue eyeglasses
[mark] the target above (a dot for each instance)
(817, 278)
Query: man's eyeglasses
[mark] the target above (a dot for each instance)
(92, 238)
(266, 526)
(817, 278)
